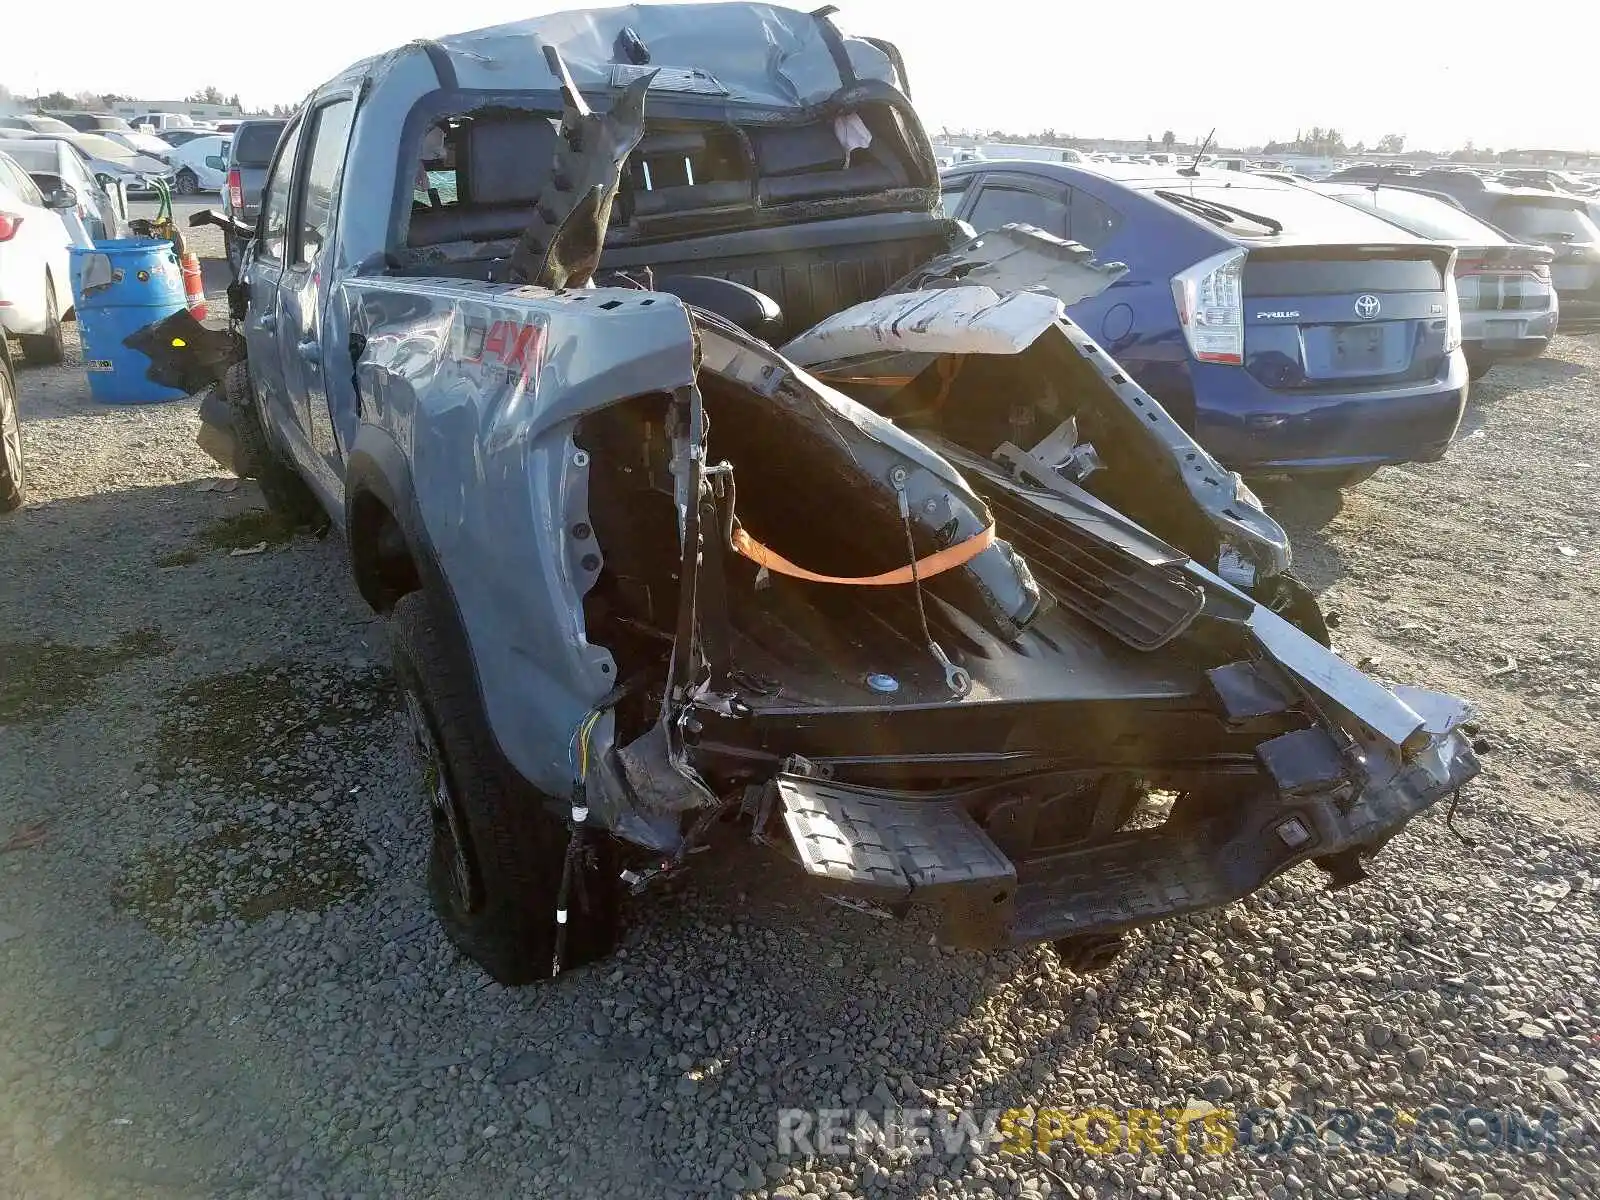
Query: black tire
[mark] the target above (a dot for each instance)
(12, 490)
(187, 183)
(50, 347)
(286, 494)
(494, 867)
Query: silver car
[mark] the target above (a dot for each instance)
(112, 162)
(1508, 300)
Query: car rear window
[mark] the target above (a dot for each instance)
(33, 158)
(1529, 217)
(1302, 213)
(253, 144)
(1426, 216)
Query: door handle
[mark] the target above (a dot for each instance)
(311, 351)
(267, 322)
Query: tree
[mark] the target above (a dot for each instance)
(234, 100)
(210, 94)
(1392, 143)
(55, 100)
(1169, 140)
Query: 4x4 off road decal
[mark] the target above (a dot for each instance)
(508, 348)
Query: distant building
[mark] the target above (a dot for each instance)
(200, 112)
(1582, 160)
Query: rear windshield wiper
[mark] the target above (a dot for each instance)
(1217, 212)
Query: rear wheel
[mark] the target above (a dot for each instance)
(286, 494)
(495, 861)
(50, 347)
(187, 183)
(11, 485)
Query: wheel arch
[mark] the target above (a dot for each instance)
(392, 556)
(389, 550)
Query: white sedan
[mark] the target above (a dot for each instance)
(35, 286)
(200, 165)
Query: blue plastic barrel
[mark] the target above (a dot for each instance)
(144, 284)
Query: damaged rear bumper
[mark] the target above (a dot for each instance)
(894, 849)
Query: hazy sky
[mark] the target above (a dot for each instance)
(1502, 75)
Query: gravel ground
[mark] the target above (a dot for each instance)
(219, 975)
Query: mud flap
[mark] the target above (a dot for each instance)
(216, 436)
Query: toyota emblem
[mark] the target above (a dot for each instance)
(1367, 306)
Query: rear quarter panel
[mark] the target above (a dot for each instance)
(1136, 319)
(481, 386)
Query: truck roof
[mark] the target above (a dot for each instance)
(741, 53)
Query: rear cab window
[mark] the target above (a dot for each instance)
(253, 144)
(471, 172)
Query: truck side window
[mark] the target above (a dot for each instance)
(275, 209)
(332, 131)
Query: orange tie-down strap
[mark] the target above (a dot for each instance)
(944, 560)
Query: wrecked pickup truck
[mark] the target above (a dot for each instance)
(989, 633)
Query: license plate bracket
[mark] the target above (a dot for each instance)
(1358, 348)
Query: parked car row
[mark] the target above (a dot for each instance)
(35, 280)
(188, 158)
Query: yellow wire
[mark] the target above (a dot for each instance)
(584, 731)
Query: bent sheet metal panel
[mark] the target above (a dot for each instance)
(892, 339)
(482, 385)
(746, 53)
(961, 320)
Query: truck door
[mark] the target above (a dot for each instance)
(305, 287)
(283, 409)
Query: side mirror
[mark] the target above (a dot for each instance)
(62, 198)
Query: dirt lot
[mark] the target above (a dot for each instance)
(219, 975)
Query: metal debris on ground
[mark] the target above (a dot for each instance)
(246, 551)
